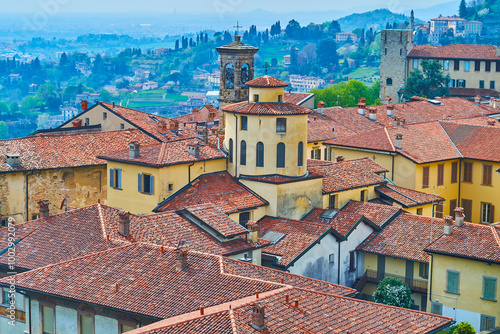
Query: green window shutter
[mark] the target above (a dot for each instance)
(453, 282)
(119, 176)
(152, 186)
(489, 287)
(139, 182)
(112, 178)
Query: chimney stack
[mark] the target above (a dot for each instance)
(477, 100)
(44, 208)
(162, 127)
(134, 150)
(114, 105)
(390, 110)
(497, 52)
(194, 149)
(320, 105)
(491, 122)
(195, 110)
(203, 135)
(372, 113)
(258, 316)
(181, 262)
(448, 225)
(124, 223)
(253, 227)
(399, 141)
(459, 216)
(361, 107)
(77, 123)
(85, 105)
(387, 99)
(340, 158)
(13, 159)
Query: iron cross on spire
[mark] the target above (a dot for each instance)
(237, 26)
(266, 66)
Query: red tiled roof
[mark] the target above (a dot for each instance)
(379, 214)
(50, 151)
(475, 142)
(299, 235)
(455, 51)
(220, 189)
(478, 121)
(407, 197)
(149, 123)
(405, 238)
(168, 153)
(349, 174)
(265, 82)
(316, 313)
(280, 179)
(216, 219)
(266, 108)
(455, 91)
(296, 98)
(322, 127)
(471, 241)
(342, 222)
(422, 142)
(203, 115)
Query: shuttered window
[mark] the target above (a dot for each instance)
(146, 183)
(437, 308)
(467, 205)
(452, 281)
(468, 172)
(439, 210)
(281, 125)
(440, 181)
(243, 153)
(260, 154)
(487, 172)
(115, 178)
(280, 156)
(454, 172)
(453, 205)
(231, 150)
(489, 288)
(425, 177)
(300, 155)
(487, 322)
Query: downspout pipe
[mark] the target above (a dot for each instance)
(27, 195)
(431, 277)
(218, 147)
(338, 265)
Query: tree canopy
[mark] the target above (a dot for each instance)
(347, 93)
(392, 291)
(430, 82)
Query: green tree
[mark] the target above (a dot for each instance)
(14, 107)
(69, 93)
(4, 109)
(430, 82)
(4, 130)
(462, 9)
(392, 291)
(347, 94)
(28, 104)
(462, 328)
(327, 53)
(45, 91)
(105, 96)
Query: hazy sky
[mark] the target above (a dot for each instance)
(60, 6)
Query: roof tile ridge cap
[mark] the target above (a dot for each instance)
(233, 321)
(389, 138)
(495, 235)
(163, 151)
(449, 138)
(101, 220)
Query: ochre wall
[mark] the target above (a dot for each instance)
(95, 116)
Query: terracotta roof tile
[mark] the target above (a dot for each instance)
(296, 98)
(266, 81)
(342, 222)
(299, 235)
(168, 153)
(455, 51)
(280, 179)
(349, 174)
(407, 197)
(266, 108)
(471, 241)
(316, 313)
(220, 189)
(379, 214)
(455, 91)
(406, 237)
(322, 127)
(48, 151)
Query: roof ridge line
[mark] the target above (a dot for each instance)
(389, 138)
(411, 199)
(451, 141)
(101, 220)
(162, 153)
(495, 235)
(233, 321)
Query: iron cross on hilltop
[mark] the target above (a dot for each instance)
(266, 66)
(237, 26)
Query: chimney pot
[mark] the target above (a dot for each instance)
(372, 114)
(182, 254)
(194, 149)
(390, 110)
(399, 141)
(77, 123)
(296, 303)
(202, 310)
(320, 105)
(253, 227)
(134, 150)
(124, 223)
(13, 159)
(477, 100)
(448, 225)
(362, 108)
(459, 216)
(85, 105)
(287, 298)
(203, 135)
(258, 316)
(44, 208)
(113, 104)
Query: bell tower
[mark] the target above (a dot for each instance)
(237, 66)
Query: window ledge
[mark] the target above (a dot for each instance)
(489, 300)
(453, 293)
(116, 188)
(487, 185)
(281, 133)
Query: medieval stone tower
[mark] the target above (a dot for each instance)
(395, 47)
(237, 66)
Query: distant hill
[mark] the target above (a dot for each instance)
(377, 19)
(444, 9)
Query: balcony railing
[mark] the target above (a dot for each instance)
(415, 285)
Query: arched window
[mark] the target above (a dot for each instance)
(301, 154)
(280, 156)
(230, 150)
(243, 153)
(229, 77)
(246, 75)
(260, 154)
(388, 81)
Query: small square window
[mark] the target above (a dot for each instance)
(419, 211)
(280, 98)
(487, 322)
(481, 84)
(170, 187)
(122, 126)
(331, 258)
(244, 123)
(281, 125)
(104, 115)
(256, 98)
(492, 84)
